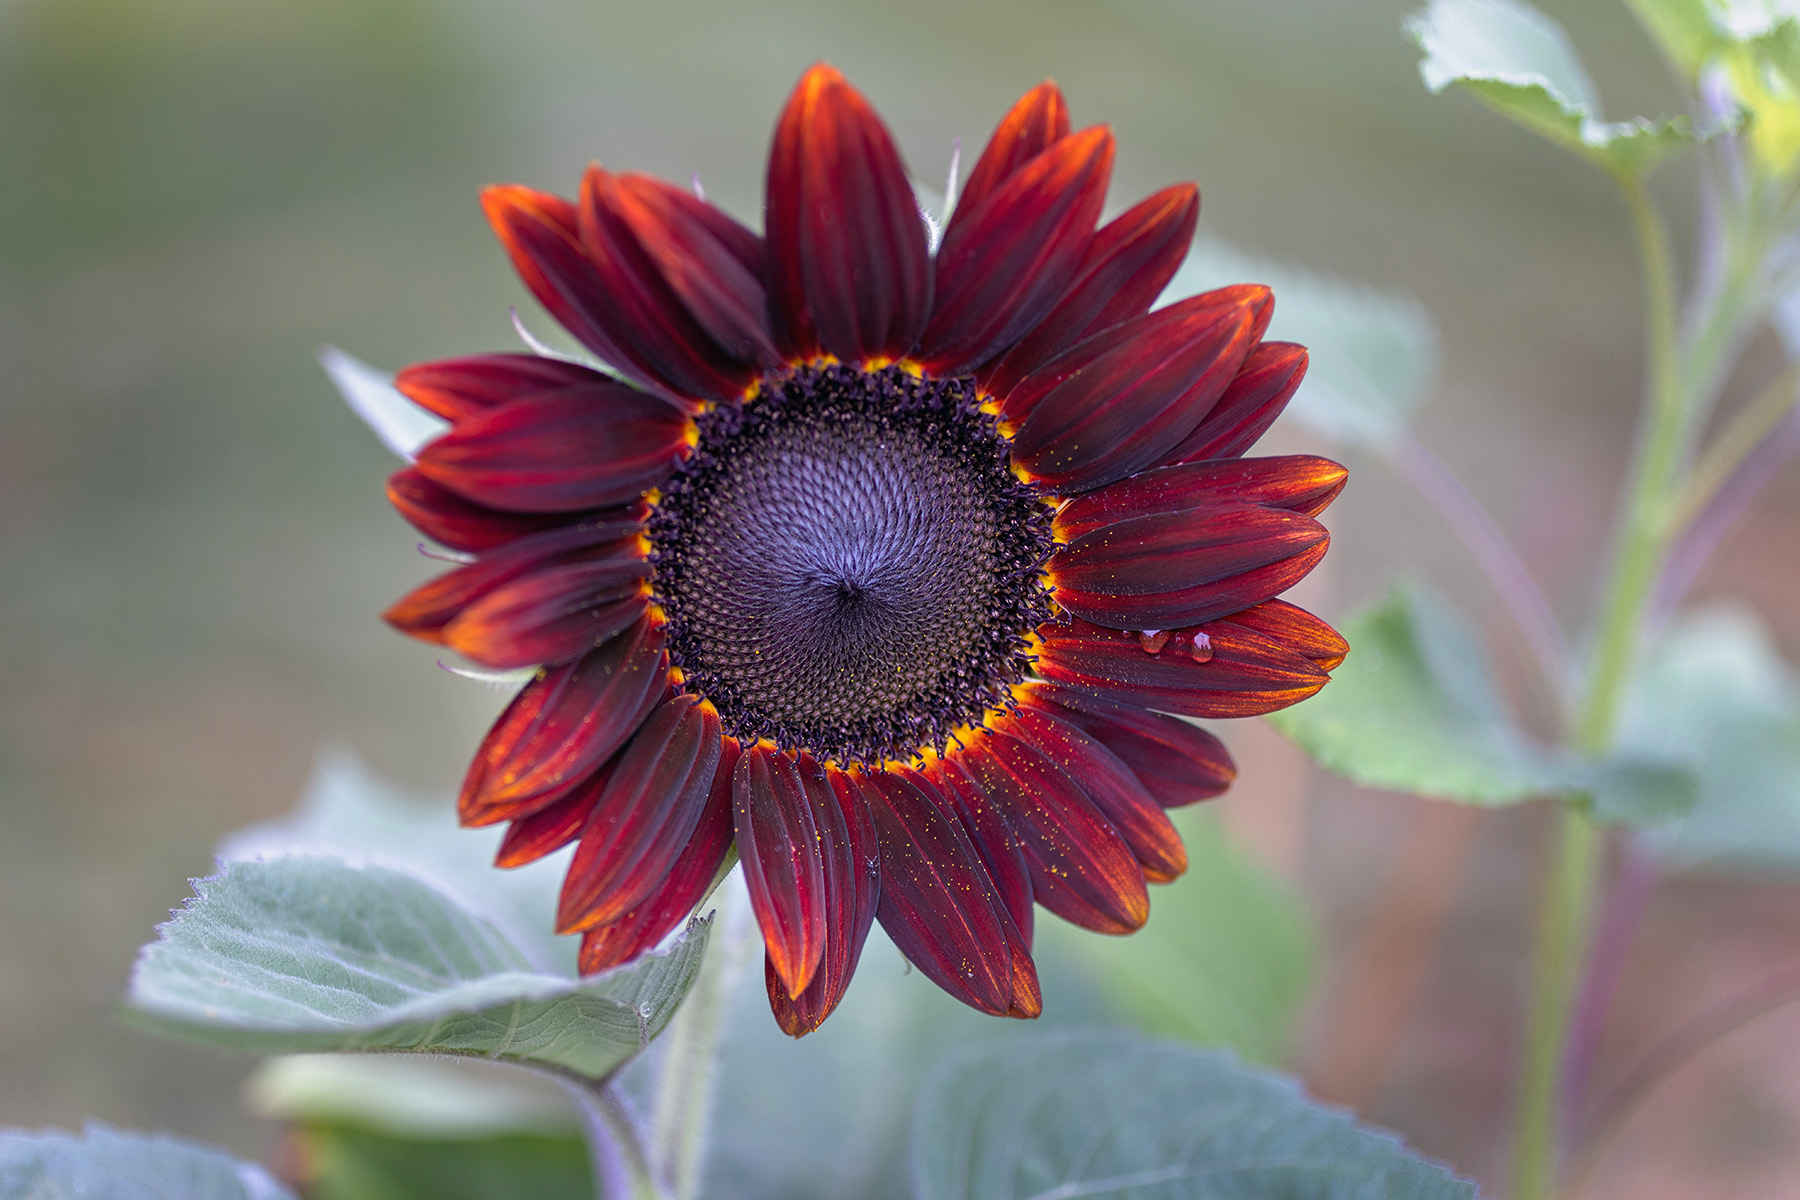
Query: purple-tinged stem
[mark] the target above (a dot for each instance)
(1695, 545)
(1488, 547)
(1622, 910)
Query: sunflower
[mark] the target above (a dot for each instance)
(892, 566)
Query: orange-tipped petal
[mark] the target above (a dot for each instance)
(1184, 567)
(637, 304)
(1264, 384)
(563, 725)
(1109, 784)
(849, 859)
(849, 265)
(1009, 259)
(713, 264)
(455, 388)
(695, 869)
(644, 817)
(1120, 401)
(1081, 869)
(1177, 761)
(1038, 120)
(1218, 669)
(779, 842)
(937, 901)
(1127, 265)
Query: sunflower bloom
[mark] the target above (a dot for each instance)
(894, 570)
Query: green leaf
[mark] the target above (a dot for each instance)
(349, 1163)
(1126, 1118)
(1519, 63)
(1714, 693)
(309, 952)
(402, 426)
(1372, 353)
(1224, 961)
(1414, 708)
(107, 1164)
(348, 811)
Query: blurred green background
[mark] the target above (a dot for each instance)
(194, 194)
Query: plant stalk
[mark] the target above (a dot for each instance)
(689, 1072)
(615, 1144)
(1566, 905)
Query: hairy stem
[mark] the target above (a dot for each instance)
(683, 1105)
(615, 1143)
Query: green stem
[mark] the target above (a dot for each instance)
(683, 1105)
(1564, 915)
(1559, 947)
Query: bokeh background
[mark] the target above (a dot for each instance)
(195, 194)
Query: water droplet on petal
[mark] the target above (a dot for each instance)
(1202, 649)
(1153, 640)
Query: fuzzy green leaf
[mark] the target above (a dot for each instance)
(1414, 708)
(1372, 353)
(1715, 694)
(1519, 63)
(348, 811)
(1127, 1118)
(310, 952)
(108, 1164)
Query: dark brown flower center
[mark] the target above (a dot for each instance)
(848, 565)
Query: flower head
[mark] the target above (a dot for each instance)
(896, 571)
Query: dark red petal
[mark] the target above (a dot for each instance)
(641, 310)
(850, 858)
(548, 830)
(713, 264)
(563, 725)
(1302, 483)
(849, 265)
(1121, 400)
(444, 517)
(937, 900)
(1263, 387)
(1182, 568)
(1296, 629)
(455, 388)
(1081, 869)
(1109, 784)
(561, 451)
(1240, 673)
(1127, 265)
(554, 615)
(645, 816)
(1009, 258)
(696, 869)
(425, 611)
(1177, 762)
(992, 838)
(779, 842)
(542, 235)
(1040, 118)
